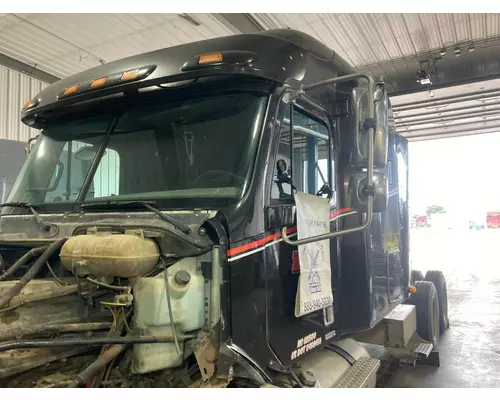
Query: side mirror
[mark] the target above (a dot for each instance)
(59, 173)
(283, 177)
(357, 197)
(359, 111)
(279, 216)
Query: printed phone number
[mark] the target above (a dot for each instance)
(317, 304)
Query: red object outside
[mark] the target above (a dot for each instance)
(493, 219)
(421, 221)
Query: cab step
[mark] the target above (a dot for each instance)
(422, 350)
(362, 374)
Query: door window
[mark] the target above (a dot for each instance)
(302, 158)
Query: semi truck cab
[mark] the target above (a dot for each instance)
(170, 192)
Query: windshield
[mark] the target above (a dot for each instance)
(199, 148)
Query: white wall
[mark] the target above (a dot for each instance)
(15, 90)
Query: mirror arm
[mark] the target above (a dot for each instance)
(28, 144)
(370, 168)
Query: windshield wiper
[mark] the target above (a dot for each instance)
(145, 204)
(44, 226)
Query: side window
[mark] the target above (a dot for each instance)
(106, 180)
(303, 155)
(402, 177)
(75, 161)
(402, 185)
(69, 173)
(389, 174)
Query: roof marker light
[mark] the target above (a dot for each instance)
(71, 90)
(97, 83)
(210, 58)
(128, 76)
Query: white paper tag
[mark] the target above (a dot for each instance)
(314, 291)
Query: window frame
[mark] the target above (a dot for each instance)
(320, 117)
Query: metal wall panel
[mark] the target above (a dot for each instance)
(15, 90)
(364, 39)
(393, 47)
(64, 44)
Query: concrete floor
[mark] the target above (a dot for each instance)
(470, 349)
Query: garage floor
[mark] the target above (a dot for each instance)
(470, 349)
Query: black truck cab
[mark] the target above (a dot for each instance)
(219, 135)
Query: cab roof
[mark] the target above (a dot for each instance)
(284, 56)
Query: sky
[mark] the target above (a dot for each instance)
(456, 173)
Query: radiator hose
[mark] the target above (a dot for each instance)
(32, 272)
(23, 261)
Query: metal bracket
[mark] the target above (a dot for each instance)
(275, 366)
(370, 123)
(432, 360)
(206, 357)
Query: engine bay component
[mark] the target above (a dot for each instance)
(151, 315)
(123, 255)
(25, 259)
(69, 342)
(39, 263)
(53, 328)
(59, 315)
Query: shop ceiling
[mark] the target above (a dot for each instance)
(458, 52)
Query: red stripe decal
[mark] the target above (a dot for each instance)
(275, 236)
(261, 242)
(334, 214)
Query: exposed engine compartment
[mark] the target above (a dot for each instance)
(110, 255)
(120, 312)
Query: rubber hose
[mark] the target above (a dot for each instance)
(54, 293)
(89, 372)
(39, 263)
(54, 328)
(23, 261)
(93, 341)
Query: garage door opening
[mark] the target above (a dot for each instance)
(454, 189)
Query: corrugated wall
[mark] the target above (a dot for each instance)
(15, 90)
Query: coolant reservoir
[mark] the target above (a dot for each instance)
(124, 255)
(151, 316)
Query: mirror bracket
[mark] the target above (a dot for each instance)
(370, 163)
(369, 190)
(370, 123)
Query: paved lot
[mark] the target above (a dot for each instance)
(470, 349)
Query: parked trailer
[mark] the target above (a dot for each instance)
(217, 215)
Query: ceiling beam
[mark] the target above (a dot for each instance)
(27, 69)
(239, 23)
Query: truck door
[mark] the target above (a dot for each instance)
(307, 152)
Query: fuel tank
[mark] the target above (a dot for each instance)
(342, 364)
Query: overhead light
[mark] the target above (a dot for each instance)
(457, 51)
(442, 52)
(472, 48)
(423, 77)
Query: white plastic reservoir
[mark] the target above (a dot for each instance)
(151, 314)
